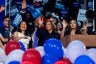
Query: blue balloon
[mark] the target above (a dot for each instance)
(59, 5)
(76, 4)
(84, 60)
(14, 62)
(54, 47)
(30, 6)
(36, 13)
(22, 46)
(49, 59)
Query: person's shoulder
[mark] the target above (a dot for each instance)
(57, 35)
(16, 32)
(2, 27)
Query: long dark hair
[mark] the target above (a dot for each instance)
(68, 30)
(26, 31)
(61, 26)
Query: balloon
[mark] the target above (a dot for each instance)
(2, 55)
(40, 49)
(1, 63)
(36, 13)
(83, 59)
(14, 62)
(58, 5)
(59, 62)
(54, 47)
(22, 46)
(32, 55)
(76, 5)
(92, 54)
(75, 49)
(15, 55)
(26, 62)
(49, 59)
(11, 45)
(63, 61)
(65, 52)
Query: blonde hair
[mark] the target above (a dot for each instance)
(52, 23)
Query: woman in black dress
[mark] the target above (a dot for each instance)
(48, 32)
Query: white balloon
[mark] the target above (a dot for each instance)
(65, 55)
(15, 55)
(75, 49)
(1, 63)
(65, 52)
(2, 55)
(40, 49)
(92, 54)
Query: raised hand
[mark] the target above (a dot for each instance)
(2, 8)
(40, 21)
(84, 28)
(24, 4)
(64, 23)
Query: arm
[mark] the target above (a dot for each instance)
(24, 4)
(63, 30)
(1, 45)
(2, 8)
(15, 36)
(40, 21)
(40, 30)
(3, 39)
(84, 29)
(23, 7)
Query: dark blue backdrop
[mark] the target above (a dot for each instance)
(2, 14)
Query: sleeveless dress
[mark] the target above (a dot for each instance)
(25, 41)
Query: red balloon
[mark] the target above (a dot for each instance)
(26, 62)
(32, 55)
(11, 45)
(63, 61)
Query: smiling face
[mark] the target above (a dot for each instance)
(23, 26)
(49, 26)
(6, 22)
(59, 26)
(73, 24)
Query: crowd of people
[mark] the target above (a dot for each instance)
(34, 32)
